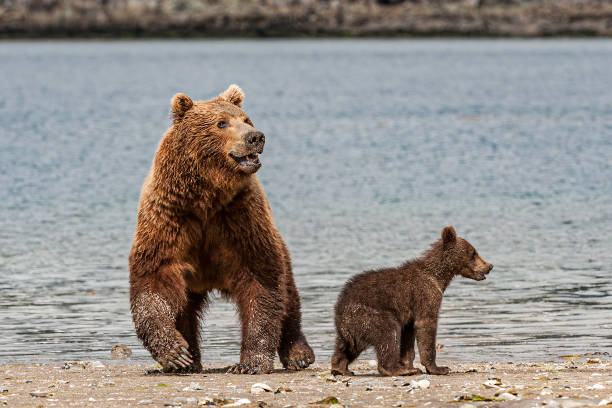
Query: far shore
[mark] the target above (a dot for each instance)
(572, 381)
(282, 18)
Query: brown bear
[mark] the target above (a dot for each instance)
(388, 308)
(204, 224)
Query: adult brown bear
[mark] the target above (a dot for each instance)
(204, 223)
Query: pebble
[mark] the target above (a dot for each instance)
(546, 391)
(567, 403)
(421, 384)
(467, 406)
(120, 352)
(372, 363)
(606, 401)
(41, 394)
(367, 381)
(193, 387)
(260, 388)
(570, 364)
(492, 383)
(596, 387)
(182, 401)
(145, 401)
(507, 396)
(241, 401)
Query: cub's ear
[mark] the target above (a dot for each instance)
(448, 235)
(233, 94)
(180, 104)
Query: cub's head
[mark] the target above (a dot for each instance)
(463, 256)
(217, 133)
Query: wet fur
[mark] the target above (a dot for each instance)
(390, 308)
(203, 225)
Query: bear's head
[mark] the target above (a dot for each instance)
(462, 256)
(216, 133)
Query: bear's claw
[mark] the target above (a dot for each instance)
(178, 359)
(299, 357)
(246, 369)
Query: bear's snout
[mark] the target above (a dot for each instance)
(255, 140)
(490, 268)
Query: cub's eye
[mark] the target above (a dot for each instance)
(221, 124)
(248, 121)
(474, 255)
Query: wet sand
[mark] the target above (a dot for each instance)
(573, 381)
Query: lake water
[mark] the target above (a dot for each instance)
(372, 147)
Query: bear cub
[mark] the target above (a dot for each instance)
(389, 308)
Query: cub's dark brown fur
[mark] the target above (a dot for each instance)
(389, 308)
(204, 224)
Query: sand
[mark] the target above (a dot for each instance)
(573, 381)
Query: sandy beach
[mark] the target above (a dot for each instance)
(572, 381)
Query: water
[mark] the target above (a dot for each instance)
(372, 147)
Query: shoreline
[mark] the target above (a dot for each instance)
(573, 382)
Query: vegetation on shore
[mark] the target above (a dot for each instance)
(308, 18)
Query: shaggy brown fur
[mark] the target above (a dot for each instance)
(204, 223)
(389, 308)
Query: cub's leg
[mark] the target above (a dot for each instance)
(384, 333)
(407, 349)
(157, 299)
(188, 324)
(426, 339)
(343, 356)
(261, 311)
(294, 351)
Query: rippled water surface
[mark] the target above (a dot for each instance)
(372, 147)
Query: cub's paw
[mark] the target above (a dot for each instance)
(248, 369)
(298, 357)
(336, 371)
(411, 371)
(177, 359)
(438, 370)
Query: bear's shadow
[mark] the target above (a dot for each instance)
(219, 370)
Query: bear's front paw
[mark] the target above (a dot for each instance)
(248, 369)
(177, 359)
(298, 357)
(438, 370)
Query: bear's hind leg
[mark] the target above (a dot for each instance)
(386, 334)
(188, 324)
(294, 351)
(407, 349)
(343, 356)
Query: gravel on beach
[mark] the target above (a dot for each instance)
(572, 381)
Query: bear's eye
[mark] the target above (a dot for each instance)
(248, 121)
(474, 255)
(221, 124)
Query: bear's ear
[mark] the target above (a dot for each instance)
(180, 104)
(233, 94)
(448, 235)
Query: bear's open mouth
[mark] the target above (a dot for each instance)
(250, 160)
